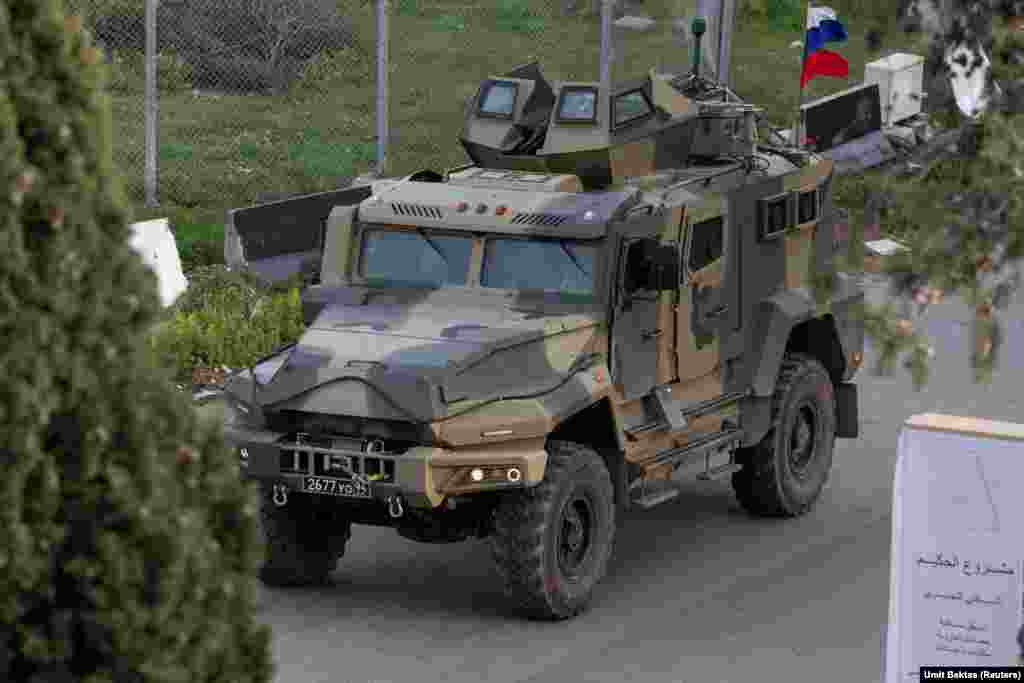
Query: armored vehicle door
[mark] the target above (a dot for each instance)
(646, 267)
(702, 303)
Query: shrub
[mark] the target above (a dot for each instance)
(226, 320)
(128, 544)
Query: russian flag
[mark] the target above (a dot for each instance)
(822, 28)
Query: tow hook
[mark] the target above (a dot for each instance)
(280, 495)
(395, 507)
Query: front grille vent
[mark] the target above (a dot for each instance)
(404, 209)
(538, 219)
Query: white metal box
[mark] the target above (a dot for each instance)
(900, 79)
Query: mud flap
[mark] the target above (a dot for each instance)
(279, 239)
(847, 420)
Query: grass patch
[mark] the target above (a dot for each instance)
(517, 16)
(320, 158)
(176, 151)
(406, 8)
(451, 23)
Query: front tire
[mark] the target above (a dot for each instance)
(552, 543)
(784, 474)
(304, 539)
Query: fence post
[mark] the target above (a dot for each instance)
(382, 85)
(728, 21)
(150, 106)
(606, 49)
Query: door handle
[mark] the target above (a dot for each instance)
(716, 312)
(647, 335)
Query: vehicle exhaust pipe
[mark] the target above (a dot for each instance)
(395, 509)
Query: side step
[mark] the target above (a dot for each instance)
(675, 416)
(705, 445)
(650, 493)
(655, 493)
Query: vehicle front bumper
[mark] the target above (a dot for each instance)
(422, 476)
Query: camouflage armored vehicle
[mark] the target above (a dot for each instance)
(614, 296)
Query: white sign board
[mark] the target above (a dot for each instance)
(154, 241)
(956, 595)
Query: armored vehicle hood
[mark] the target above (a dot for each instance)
(406, 363)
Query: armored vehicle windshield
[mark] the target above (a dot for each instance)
(435, 259)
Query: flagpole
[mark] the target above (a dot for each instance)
(796, 138)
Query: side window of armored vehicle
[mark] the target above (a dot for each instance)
(415, 258)
(498, 99)
(577, 104)
(807, 206)
(706, 243)
(630, 106)
(774, 216)
(552, 265)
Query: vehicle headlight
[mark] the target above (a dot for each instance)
(264, 371)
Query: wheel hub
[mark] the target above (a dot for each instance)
(574, 536)
(801, 443)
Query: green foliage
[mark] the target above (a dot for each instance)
(517, 16)
(127, 72)
(221, 334)
(872, 12)
(335, 70)
(128, 543)
(451, 23)
(226, 319)
(964, 224)
(318, 157)
(406, 8)
(199, 252)
(779, 15)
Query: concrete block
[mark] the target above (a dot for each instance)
(155, 243)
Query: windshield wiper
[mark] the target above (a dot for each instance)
(433, 245)
(573, 258)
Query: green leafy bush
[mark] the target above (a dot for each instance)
(128, 542)
(226, 319)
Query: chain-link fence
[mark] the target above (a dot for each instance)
(258, 97)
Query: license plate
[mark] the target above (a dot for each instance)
(337, 487)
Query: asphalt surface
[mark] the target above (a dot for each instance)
(697, 592)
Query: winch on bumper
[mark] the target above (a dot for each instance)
(362, 469)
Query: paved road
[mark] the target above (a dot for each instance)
(697, 592)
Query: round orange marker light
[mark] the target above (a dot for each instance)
(501, 210)
(462, 206)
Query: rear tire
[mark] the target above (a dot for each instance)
(304, 539)
(552, 543)
(784, 474)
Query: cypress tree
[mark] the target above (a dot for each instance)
(128, 544)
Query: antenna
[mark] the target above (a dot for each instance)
(698, 27)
